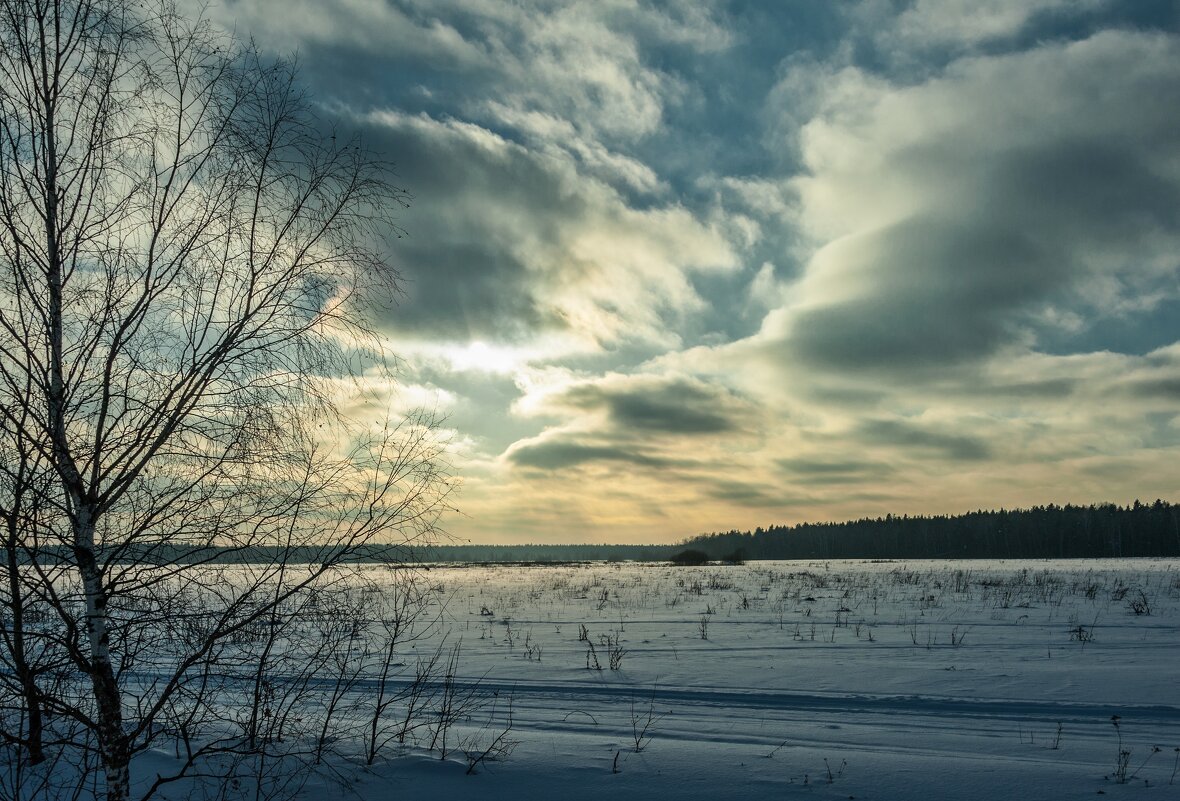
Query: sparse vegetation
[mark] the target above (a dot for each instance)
(396, 685)
(642, 721)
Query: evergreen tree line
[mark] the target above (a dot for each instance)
(1042, 532)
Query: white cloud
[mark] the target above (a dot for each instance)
(955, 211)
(967, 22)
(589, 266)
(370, 25)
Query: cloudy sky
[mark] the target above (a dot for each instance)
(685, 266)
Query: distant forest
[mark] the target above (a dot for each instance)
(1042, 532)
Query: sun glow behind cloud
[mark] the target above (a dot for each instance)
(480, 356)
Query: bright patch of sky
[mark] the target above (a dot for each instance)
(688, 266)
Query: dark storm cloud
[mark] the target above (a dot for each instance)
(746, 493)
(1051, 388)
(1043, 180)
(815, 466)
(932, 292)
(645, 418)
(909, 435)
(675, 406)
(508, 243)
(1154, 388)
(465, 277)
(843, 471)
(558, 454)
(666, 414)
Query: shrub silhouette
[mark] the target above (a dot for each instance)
(736, 557)
(690, 557)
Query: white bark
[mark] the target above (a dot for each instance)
(181, 261)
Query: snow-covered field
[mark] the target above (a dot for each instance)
(891, 680)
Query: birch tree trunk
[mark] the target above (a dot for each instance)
(185, 263)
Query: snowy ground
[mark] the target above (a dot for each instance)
(893, 680)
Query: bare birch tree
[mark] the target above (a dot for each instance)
(185, 257)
